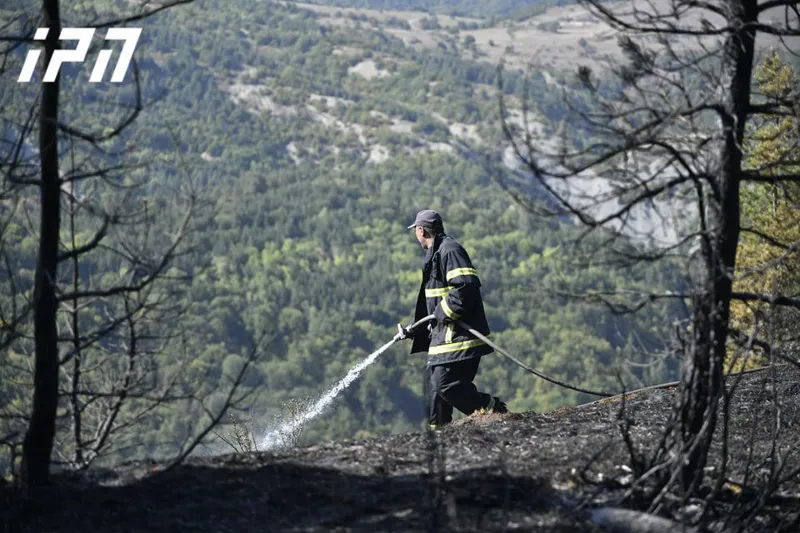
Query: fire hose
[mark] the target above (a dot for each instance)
(477, 334)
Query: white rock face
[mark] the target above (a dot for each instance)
(661, 221)
(378, 154)
(293, 153)
(442, 147)
(255, 97)
(368, 69)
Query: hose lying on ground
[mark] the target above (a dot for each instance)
(477, 334)
(671, 384)
(535, 372)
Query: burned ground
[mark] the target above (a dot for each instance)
(514, 472)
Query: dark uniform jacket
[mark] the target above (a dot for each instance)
(451, 290)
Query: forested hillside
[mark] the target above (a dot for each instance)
(451, 7)
(310, 149)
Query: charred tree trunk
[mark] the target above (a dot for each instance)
(39, 438)
(702, 376)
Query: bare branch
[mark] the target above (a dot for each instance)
(153, 273)
(95, 139)
(769, 4)
(777, 30)
(89, 246)
(744, 340)
(771, 240)
(778, 300)
(780, 109)
(231, 401)
(662, 24)
(760, 178)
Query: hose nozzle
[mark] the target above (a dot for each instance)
(405, 332)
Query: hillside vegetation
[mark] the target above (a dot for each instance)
(311, 147)
(474, 8)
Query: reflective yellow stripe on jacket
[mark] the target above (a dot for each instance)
(436, 293)
(449, 329)
(455, 346)
(449, 312)
(463, 271)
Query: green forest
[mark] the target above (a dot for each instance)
(303, 175)
(472, 8)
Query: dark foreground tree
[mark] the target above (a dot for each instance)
(41, 430)
(663, 143)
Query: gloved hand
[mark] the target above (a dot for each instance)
(403, 332)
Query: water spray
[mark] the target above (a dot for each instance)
(278, 437)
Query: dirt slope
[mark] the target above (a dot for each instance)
(516, 472)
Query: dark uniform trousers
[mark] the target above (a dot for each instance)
(450, 385)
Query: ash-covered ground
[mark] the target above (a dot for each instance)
(514, 472)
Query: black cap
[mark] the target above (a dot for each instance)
(427, 218)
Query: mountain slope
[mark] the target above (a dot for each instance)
(311, 147)
(455, 7)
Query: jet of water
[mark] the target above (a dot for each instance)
(277, 437)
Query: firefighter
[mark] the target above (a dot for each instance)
(450, 290)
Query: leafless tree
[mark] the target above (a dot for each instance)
(92, 343)
(112, 341)
(665, 134)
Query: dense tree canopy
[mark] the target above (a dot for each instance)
(308, 173)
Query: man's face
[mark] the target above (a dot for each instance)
(420, 233)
